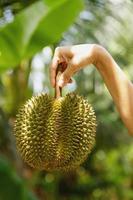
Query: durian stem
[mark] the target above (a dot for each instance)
(58, 90)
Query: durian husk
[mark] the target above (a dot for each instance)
(55, 134)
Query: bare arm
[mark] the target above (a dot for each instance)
(120, 88)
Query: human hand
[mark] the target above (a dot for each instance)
(72, 59)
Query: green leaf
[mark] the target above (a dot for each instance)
(15, 36)
(52, 26)
(51, 2)
(38, 25)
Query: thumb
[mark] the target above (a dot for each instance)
(65, 77)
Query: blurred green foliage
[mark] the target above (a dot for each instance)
(29, 32)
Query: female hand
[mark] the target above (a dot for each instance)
(72, 59)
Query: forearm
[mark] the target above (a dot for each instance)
(120, 88)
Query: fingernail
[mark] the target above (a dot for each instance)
(60, 83)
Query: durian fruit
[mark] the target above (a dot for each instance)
(55, 133)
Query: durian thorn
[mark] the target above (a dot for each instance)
(58, 90)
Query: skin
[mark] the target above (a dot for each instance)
(75, 57)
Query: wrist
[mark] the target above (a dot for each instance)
(102, 58)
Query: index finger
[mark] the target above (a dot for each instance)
(53, 68)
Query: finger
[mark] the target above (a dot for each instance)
(53, 68)
(63, 80)
(66, 76)
(57, 59)
(72, 67)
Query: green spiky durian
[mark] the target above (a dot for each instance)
(55, 134)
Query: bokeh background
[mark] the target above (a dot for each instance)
(29, 32)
